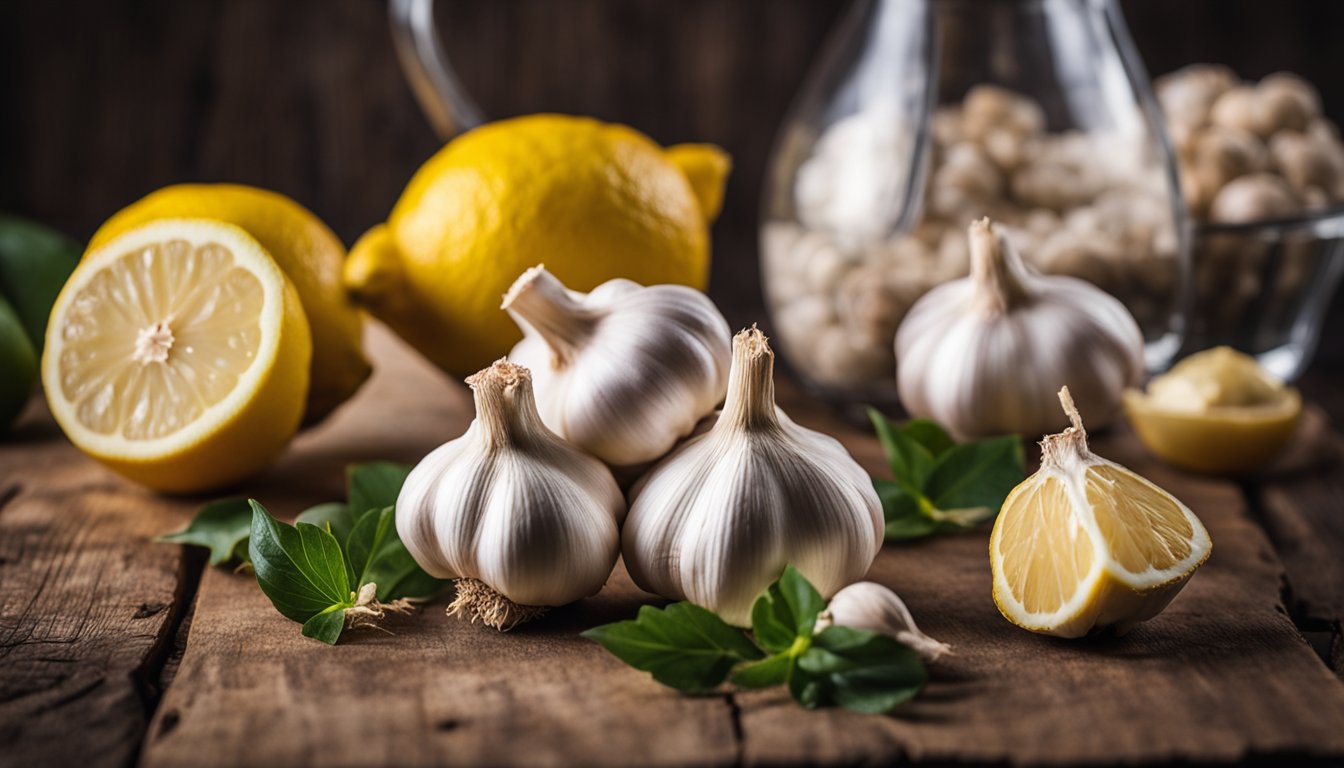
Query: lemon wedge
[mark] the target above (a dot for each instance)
(177, 354)
(1086, 544)
(1216, 411)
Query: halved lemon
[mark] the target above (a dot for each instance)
(177, 354)
(1085, 544)
(1216, 411)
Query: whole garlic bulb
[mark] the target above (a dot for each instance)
(622, 372)
(871, 606)
(985, 355)
(520, 518)
(717, 521)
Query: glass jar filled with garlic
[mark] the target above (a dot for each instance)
(924, 115)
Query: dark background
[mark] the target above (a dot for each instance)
(105, 101)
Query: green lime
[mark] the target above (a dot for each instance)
(34, 264)
(18, 366)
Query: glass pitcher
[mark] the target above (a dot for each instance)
(923, 115)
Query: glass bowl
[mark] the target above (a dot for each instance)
(1264, 287)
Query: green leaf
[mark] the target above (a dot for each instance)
(979, 474)
(683, 645)
(366, 541)
(332, 515)
(375, 554)
(786, 611)
(858, 670)
(327, 625)
(765, 674)
(910, 461)
(928, 434)
(300, 568)
(220, 526)
(905, 518)
(374, 485)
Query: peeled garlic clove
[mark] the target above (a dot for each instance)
(871, 606)
(622, 372)
(984, 355)
(718, 519)
(520, 518)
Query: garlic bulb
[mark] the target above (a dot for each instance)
(873, 607)
(984, 355)
(622, 372)
(718, 520)
(520, 518)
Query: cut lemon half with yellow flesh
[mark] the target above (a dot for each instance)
(1216, 411)
(1085, 544)
(177, 354)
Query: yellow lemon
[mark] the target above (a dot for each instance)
(307, 251)
(178, 354)
(1086, 544)
(1216, 411)
(593, 200)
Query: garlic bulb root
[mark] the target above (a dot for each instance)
(871, 606)
(520, 518)
(622, 372)
(718, 519)
(476, 601)
(984, 355)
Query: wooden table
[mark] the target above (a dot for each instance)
(117, 650)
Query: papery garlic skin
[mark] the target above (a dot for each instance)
(717, 521)
(871, 606)
(511, 504)
(622, 372)
(985, 355)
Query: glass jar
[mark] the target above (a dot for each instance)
(924, 115)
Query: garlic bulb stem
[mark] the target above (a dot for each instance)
(544, 303)
(994, 268)
(1061, 447)
(504, 405)
(751, 385)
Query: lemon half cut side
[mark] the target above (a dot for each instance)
(178, 355)
(1086, 544)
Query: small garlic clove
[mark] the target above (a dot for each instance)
(871, 606)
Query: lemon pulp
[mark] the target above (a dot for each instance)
(178, 355)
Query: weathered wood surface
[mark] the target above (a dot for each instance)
(87, 604)
(1222, 675)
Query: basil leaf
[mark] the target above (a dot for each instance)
(333, 516)
(979, 474)
(300, 568)
(765, 674)
(327, 625)
(365, 542)
(928, 434)
(220, 526)
(858, 670)
(683, 645)
(374, 485)
(910, 461)
(786, 612)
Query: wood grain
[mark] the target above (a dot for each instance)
(88, 603)
(1220, 676)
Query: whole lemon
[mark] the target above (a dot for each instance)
(308, 252)
(592, 200)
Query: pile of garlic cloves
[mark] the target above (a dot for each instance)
(523, 510)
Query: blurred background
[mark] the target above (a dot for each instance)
(106, 101)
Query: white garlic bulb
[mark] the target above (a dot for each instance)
(717, 521)
(985, 355)
(622, 372)
(520, 518)
(873, 607)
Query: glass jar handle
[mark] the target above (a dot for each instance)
(420, 50)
